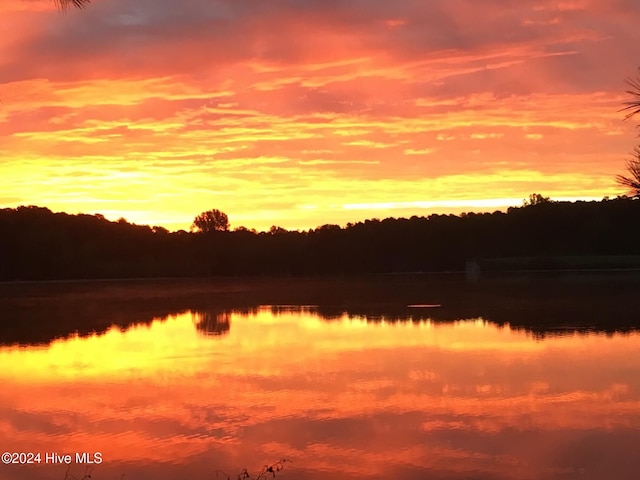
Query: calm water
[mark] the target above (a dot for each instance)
(346, 397)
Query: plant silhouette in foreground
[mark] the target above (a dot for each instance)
(632, 179)
(632, 107)
(63, 4)
(87, 474)
(267, 471)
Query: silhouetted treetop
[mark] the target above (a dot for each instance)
(632, 179)
(211, 221)
(535, 199)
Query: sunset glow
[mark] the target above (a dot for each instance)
(284, 381)
(302, 113)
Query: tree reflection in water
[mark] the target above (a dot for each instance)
(212, 323)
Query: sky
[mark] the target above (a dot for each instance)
(299, 113)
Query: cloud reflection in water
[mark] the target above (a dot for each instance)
(348, 397)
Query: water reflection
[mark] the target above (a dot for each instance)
(43, 326)
(212, 322)
(352, 398)
(33, 314)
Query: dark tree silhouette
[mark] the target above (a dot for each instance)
(38, 244)
(632, 179)
(535, 199)
(211, 221)
(632, 107)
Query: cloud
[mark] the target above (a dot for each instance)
(339, 91)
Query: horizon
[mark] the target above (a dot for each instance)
(385, 210)
(233, 227)
(302, 114)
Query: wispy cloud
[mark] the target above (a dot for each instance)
(252, 106)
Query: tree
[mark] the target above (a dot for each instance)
(211, 221)
(535, 199)
(632, 179)
(632, 107)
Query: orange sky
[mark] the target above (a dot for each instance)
(305, 112)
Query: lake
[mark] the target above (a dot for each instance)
(392, 378)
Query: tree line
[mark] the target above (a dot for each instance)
(38, 244)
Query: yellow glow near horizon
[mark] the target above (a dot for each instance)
(156, 123)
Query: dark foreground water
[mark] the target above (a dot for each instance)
(342, 395)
